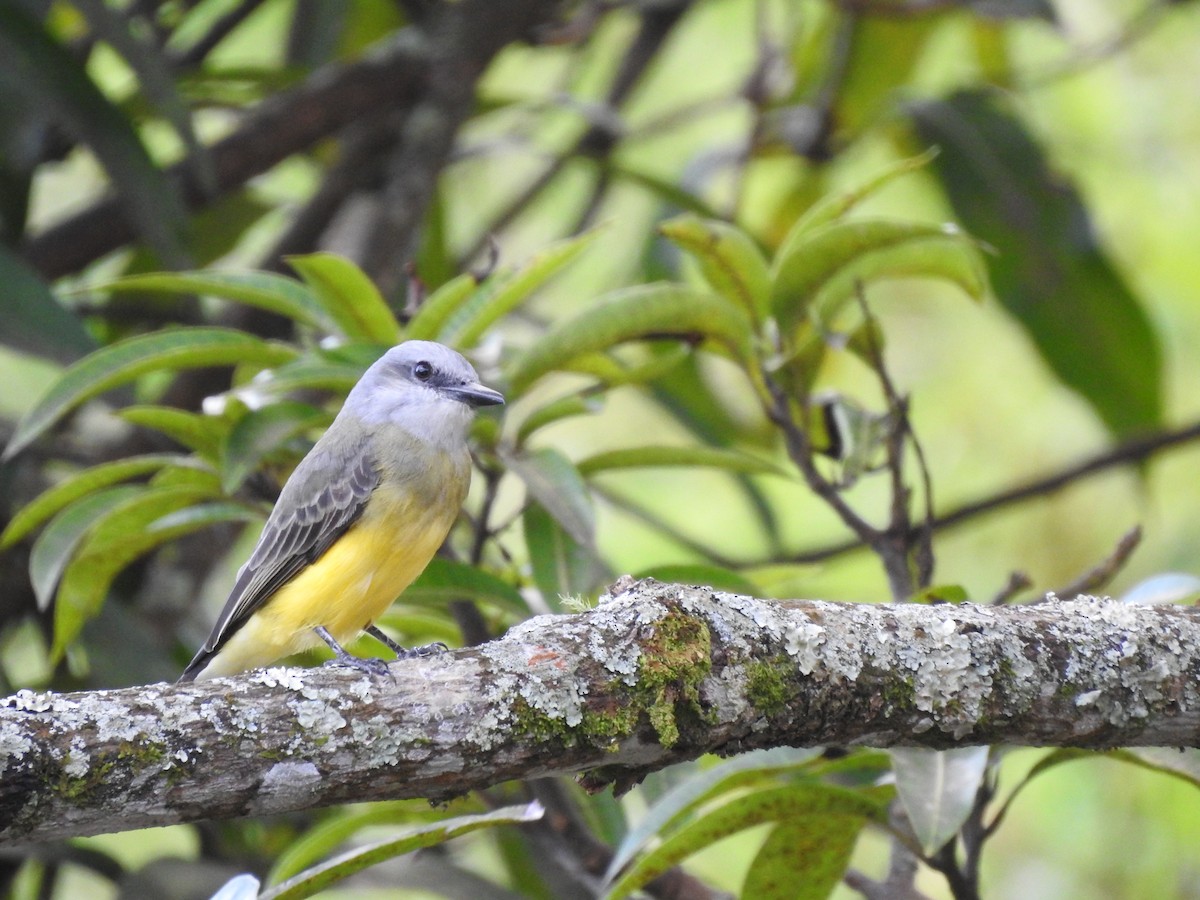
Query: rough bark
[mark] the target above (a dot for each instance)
(655, 675)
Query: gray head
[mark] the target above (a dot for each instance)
(426, 388)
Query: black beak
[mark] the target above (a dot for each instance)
(475, 395)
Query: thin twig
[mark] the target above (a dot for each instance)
(1131, 451)
(1100, 575)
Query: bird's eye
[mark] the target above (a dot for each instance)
(422, 371)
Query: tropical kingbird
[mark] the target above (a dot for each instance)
(358, 519)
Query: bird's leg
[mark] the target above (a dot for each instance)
(370, 666)
(404, 652)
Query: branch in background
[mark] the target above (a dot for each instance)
(393, 78)
(657, 675)
(1133, 451)
(1098, 577)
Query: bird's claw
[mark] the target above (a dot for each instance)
(434, 649)
(370, 666)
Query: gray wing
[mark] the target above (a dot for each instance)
(322, 499)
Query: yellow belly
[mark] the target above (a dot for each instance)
(349, 586)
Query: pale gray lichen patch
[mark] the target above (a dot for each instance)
(14, 744)
(78, 760)
(385, 745)
(30, 701)
(319, 716)
(803, 643)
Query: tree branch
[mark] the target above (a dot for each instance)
(393, 78)
(656, 675)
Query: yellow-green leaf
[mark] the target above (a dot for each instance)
(348, 296)
(180, 348)
(653, 310)
(67, 491)
(729, 259)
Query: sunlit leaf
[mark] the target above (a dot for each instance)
(938, 788)
(1167, 587)
(445, 580)
(240, 887)
(653, 310)
(264, 290)
(689, 457)
(834, 206)
(71, 489)
(818, 271)
(348, 296)
(439, 307)
(1050, 271)
(57, 543)
(123, 361)
(319, 878)
(729, 259)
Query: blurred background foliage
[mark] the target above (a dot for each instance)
(215, 214)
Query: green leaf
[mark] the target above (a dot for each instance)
(327, 835)
(34, 321)
(201, 515)
(196, 431)
(699, 573)
(78, 485)
(562, 566)
(938, 788)
(816, 273)
(835, 206)
(321, 877)
(264, 290)
(114, 540)
(260, 433)
(729, 259)
(349, 297)
(556, 411)
(876, 56)
(803, 858)
(444, 580)
(500, 297)
(180, 348)
(57, 543)
(439, 307)
(807, 799)
(749, 769)
(553, 481)
(652, 310)
(47, 76)
(689, 457)
(1050, 271)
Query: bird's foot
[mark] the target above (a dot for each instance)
(435, 649)
(370, 666)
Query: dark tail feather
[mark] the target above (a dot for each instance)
(196, 666)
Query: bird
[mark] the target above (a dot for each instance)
(358, 519)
